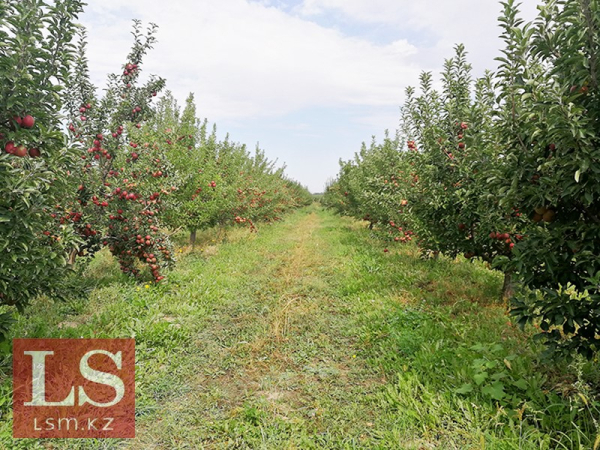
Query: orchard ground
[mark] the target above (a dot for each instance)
(308, 335)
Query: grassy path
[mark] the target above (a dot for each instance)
(277, 364)
(308, 336)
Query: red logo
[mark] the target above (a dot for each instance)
(74, 388)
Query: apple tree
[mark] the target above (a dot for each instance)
(36, 52)
(202, 198)
(122, 177)
(550, 116)
(373, 187)
(454, 150)
(220, 182)
(337, 193)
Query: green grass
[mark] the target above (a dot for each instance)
(307, 335)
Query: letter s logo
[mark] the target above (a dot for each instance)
(96, 376)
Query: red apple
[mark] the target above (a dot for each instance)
(20, 151)
(27, 122)
(9, 147)
(34, 152)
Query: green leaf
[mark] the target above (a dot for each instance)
(464, 389)
(495, 391)
(480, 377)
(521, 384)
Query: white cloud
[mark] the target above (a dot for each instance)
(443, 22)
(244, 59)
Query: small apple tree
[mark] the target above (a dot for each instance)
(122, 176)
(338, 195)
(373, 187)
(453, 148)
(263, 192)
(202, 197)
(220, 182)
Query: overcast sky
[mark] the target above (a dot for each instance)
(307, 79)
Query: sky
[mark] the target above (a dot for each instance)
(306, 80)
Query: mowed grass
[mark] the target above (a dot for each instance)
(307, 335)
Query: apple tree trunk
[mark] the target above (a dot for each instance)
(508, 286)
(72, 257)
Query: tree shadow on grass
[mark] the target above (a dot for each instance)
(438, 281)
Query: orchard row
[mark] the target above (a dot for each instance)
(503, 169)
(80, 172)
